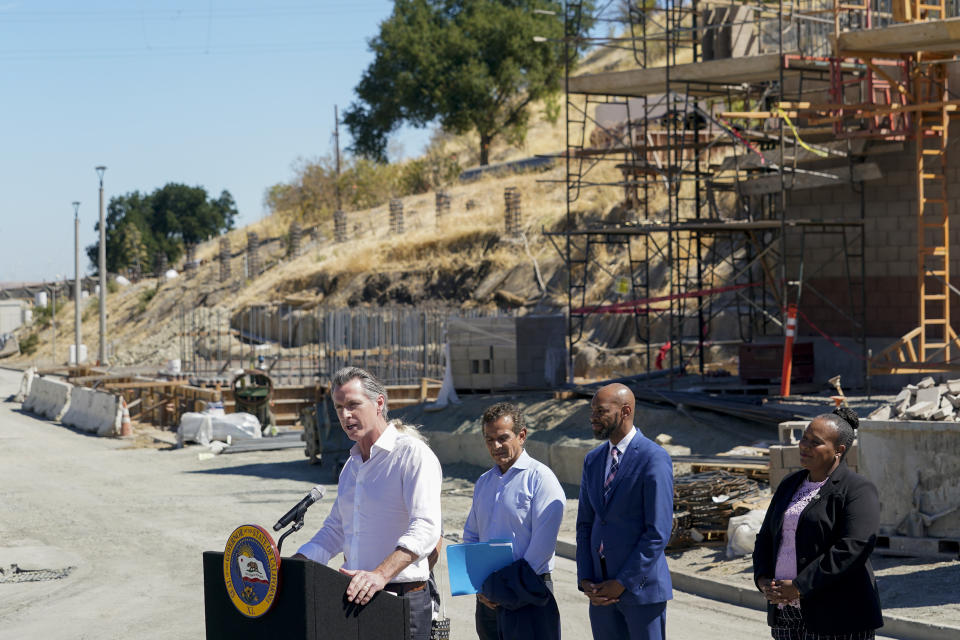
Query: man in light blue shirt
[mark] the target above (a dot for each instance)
(519, 499)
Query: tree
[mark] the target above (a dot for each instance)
(140, 225)
(469, 64)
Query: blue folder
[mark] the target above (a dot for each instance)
(469, 564)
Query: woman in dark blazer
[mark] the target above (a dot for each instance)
(812, 555)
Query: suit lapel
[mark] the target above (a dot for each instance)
(596, 471)
(832, 484)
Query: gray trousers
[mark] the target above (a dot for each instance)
(421, 614)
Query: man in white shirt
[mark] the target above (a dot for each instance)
(519, 499)
(386, 518)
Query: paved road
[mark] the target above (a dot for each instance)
(134, 521)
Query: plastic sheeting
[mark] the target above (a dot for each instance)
(205, 428)
(742, 533)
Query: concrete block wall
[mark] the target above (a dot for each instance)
(785, 459)
(890, 253)
(541, 350)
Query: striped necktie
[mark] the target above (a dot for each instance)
(613, 472)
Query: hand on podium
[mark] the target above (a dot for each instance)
(364, 585)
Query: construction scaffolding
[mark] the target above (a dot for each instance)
(730, 110)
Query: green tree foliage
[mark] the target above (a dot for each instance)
(140, 226)
(472, 65)
(312, 195)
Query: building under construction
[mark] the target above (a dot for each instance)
(770, 155)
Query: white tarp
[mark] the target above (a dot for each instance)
(207, 427)
(742, 533)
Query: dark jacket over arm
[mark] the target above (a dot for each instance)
(835, 535)
(528, 610)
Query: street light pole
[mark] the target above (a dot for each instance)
(102, 268)
(76, 284)
(53, 323)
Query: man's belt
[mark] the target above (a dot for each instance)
(402, 588)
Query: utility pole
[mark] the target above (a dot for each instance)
(336, 143)
(53, 322)
(76, 284)
(102, 267)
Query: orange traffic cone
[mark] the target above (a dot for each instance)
(126, 429)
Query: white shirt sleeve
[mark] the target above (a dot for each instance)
(328, 541)
(422, 479)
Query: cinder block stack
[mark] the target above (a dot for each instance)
(296, 237)
(225, 255)
(785, 457)
(396, 216)
(160, 264)
(443, 205)
(511, 197)
(190, 265)
(925, 400)
(339, 226)
(253, 254)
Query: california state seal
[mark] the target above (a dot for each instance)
(251, 565)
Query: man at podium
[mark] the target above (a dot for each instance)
(386, 518)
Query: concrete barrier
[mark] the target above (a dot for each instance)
(25, 383)
(48, 398)
(564, 456)
(96, 412)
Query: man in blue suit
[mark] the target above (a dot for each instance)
(624, 523)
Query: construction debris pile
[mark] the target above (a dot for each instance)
(703, 504)
(925, 400)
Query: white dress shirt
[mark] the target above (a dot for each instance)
(391, 500)
(621, 447)
(524, 505)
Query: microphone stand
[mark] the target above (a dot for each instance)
(297, 525)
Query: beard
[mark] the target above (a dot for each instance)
(602, 430)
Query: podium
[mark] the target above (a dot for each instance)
(310, 604)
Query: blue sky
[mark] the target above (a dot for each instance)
(220, 94)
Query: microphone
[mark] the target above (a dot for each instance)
(297, 512)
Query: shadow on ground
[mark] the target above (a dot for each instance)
(921, 588)
(288, 470)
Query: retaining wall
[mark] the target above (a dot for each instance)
(49, 398)
(915, 466)
(564, 456)
(93, 411)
